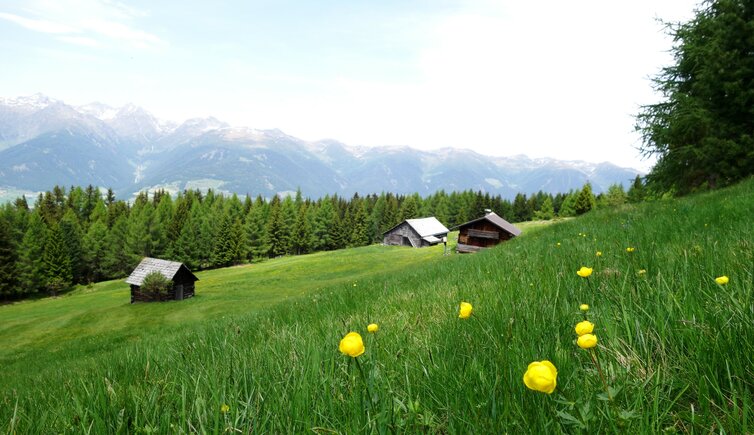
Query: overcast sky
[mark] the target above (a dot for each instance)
(546, 79)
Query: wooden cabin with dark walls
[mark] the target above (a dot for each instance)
(484, 232)
(180, 275)
(416, 232)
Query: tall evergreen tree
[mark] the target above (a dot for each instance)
(94, 251)
(185, 247)
(359, 224)
(546, 212)
(585, 200)
(409, 208)
(636, 192)
(521, 208)
(8, 281)
(703, 130)
(276, 229)
(56, 262)
(30, 267)
(302, 234)
(118, 260)
(72, 240)
(257, 239)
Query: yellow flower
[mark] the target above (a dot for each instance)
(587, 341)
(584, 327)
(373, 327)
(584, 272)
(722, 280)
(642, 271)
(557, 244)
(465, 311)
(541, 376)
(225, 408)
(351, 345)
(599, 253)
(630, 249)
(584, 307)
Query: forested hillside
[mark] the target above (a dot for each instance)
(78, 236)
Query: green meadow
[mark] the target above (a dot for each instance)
(257, 349)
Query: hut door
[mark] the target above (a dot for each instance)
(179, 292)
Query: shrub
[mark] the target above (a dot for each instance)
(155, 283)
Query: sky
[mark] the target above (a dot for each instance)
(545, 79)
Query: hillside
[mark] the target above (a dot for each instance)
(43, 142)
(676, 349)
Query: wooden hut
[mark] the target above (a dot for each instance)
(487, 231)
(416, 232)
(182, 278)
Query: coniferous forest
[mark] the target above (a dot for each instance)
(79, 236)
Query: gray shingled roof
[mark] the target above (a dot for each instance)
(497, 221)
(427, 226)
(168, 269)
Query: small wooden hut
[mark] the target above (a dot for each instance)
(487, 231)
(182, 278)
(416, 232)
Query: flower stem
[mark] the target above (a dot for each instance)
(602, 376)
(366, 384)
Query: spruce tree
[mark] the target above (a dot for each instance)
(276, 229)
(703, 130)
(56, 262)
(224, 249)
(522, 211)
(409, 208)
(585, 200)
(359, 225)
(30, 267)
(257, 239)
(636, 193)
(185, 247)
(8, 280)
(118, 261)
(72, 238)
(302, 233)
(94, 250)
(546, 212)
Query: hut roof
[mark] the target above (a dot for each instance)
(168, 269)
(425, 226)
(496, 220)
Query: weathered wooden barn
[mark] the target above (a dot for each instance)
(182, 278)
(487, 231)
(416, 232)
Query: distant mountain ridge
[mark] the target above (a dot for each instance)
(44, 142)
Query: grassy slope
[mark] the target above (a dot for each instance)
(676, 348)
(91, 319)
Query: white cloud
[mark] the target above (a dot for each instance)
(91, 21)
(37, 25)
(79, 40)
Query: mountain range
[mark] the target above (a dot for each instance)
(44, 142)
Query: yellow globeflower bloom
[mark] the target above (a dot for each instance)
(584, 327)
(557, 244)
(465, 311)
(584, 272)
(629, 249)
(225, 408)
(352, 345)
(584, 307)
(599, 253)
(722, 280)
(373, 327)
(541, 376)
(587, 341)
(642, 272)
